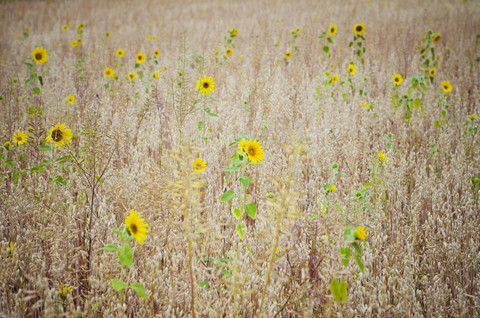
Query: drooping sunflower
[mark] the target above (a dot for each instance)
(360, 233)
(198, 165)
(60, 135)
(157, 53)
(205, 85)
(288, 55)
(446, 86)
(74, 43)
(233, 32)
(229, 52)
(7, 145)
(351, 69)
(140, 58)
(432, 72)
(156, 74)
(254, 151)
(131, 76)
(397, 79)
(65, 27)
(136, 227)
(358, 29)
(71, 99)
(332, 30)
(334, 78)
(40, 55)
(436, 38)
(109, 73)
(20, 137)
(120, 53)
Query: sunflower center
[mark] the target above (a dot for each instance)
(396, 79)
(205, 85)
(57, 135)
(359, 28)
(19, 138)
(133, 229)
(332, 29)
(140, 58)
(251, 152)
(38, 56)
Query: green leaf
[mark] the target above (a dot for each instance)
(110, 248)
(207, 110)
(245, 181)
(231, 169)
(204, 284)
(36, 90)
(125, 255)
(40, 79)
(357, 248)
(339, 290)
(118, 285)
(30, 67)
(45, 147)
(237, 213)
(312, 217)
(210, 99)
(326, 49)
(437, 124)
(227, 196)
(37, 169)
(251, 210)
(9, 163)
(28, 81)
(329, 39)
(139, 289)
(418, 101)
(239, 231)
(226, 272)
(345, 251)
(200, 125)
(359, 262)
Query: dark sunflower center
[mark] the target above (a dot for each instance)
(205, 85)
(359, 28)
(57, 135)
(251, 152)
(19, 138)
(396, 79)
(38, 56)
(332, 29)
(140, 58)
(133, 229)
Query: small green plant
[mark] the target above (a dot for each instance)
(357, 42)
(324, 198)
(470, 133)
(328, 35)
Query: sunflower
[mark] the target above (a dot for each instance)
(65, 27)
(70, 99)
(436, 38)
(233, 32)
(154, 37)
(217, 52)
(26, 29)
(334, 78)
(351, 69)
(358, 29)
(60, 135)
(288, 55)
(79, 41)
(432, 72)
(198, 165)
(109, 73)
(80, 26)
(40, 55)
(332, 30)
(382, 156)
(472, 117)
(327, 73)
(397, 79)
(446, 86)
(20, 137)
(140, 58)
(157, 53)
(135, 226)
(297, 30)
(229, 52)
(131, 76)
(7, 145)
(242, 144)
(74, 43)
(254, 151)
(205, 85)
(360, 233)
(148, 36)
(164, 68)
(120, 53)
(107, 35)
(156, 74)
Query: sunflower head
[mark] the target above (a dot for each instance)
(135, 226)
(79, 41)
(120, 53)
(20, 137)
(164, 68)
(40, 55)
(65, 27)
(80, 26)
(7, 145)
(358, 29)
(198, 165)
(60, 135)
(229, 52)
(107, 34)
(254, 150)
(288, 55)
(205, 85)
(148, 36)
(432, 72)
(334, 78)
(446, 86)
(131, 76)
(382, 156)
(109, 73)
(397, 79)
(436, 38)
(351, 69)
(332, 30)
(297, 30)
(233, 32)
(140, 58)
(472, 118)
(360, 233)
(157, 53)
(154, 37)
(74, 43)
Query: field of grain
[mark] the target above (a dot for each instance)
(291, 158)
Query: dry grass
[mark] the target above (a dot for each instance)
(422, 255)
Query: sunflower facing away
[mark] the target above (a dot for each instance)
(157, 53)
(206, 85)
(20, 137)
(131, 76)
(397, 79)
(135, 226)
(334, 78)
(140, 58)
(436, 38)
(358, 29)
(288, 55)
(332, 30)
(198, 165)
(120, 53)
(229, 52)
(40, 55)
(432, 72)
(360, 233)
(254, 151)
(446, 86)
(351, 69)
(60, 135)
(109, 73)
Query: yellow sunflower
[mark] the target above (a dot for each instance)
(233, 32)
(164, 68)
(20, 137)
(358, 29)
(80, 26)
(131, 76)
(60, 135)
(198, 165)
(70, 99)
(135, 226)
(242, 144)
(360, 233)
(229, 52)
(107, 35)
(327, 73)
(65, 27)
(446, 86)
(154, 37)
(109, 73)
(382, 156)
(157, 53)
(74, 43)
(148, 36)
(140, 58)
(472, 117)
(334, 78)
(397, 79)
(332, 30)
(79, 41)
(206, 85)
(120, 53)
(7, 145)
(288, 55)
(217, 52)
(156, 74)
(40, 55)
(432, 72)
(351, 69)
(297, 30)
(436, 38)
(254, 150)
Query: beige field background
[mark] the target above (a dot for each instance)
(422, 251)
